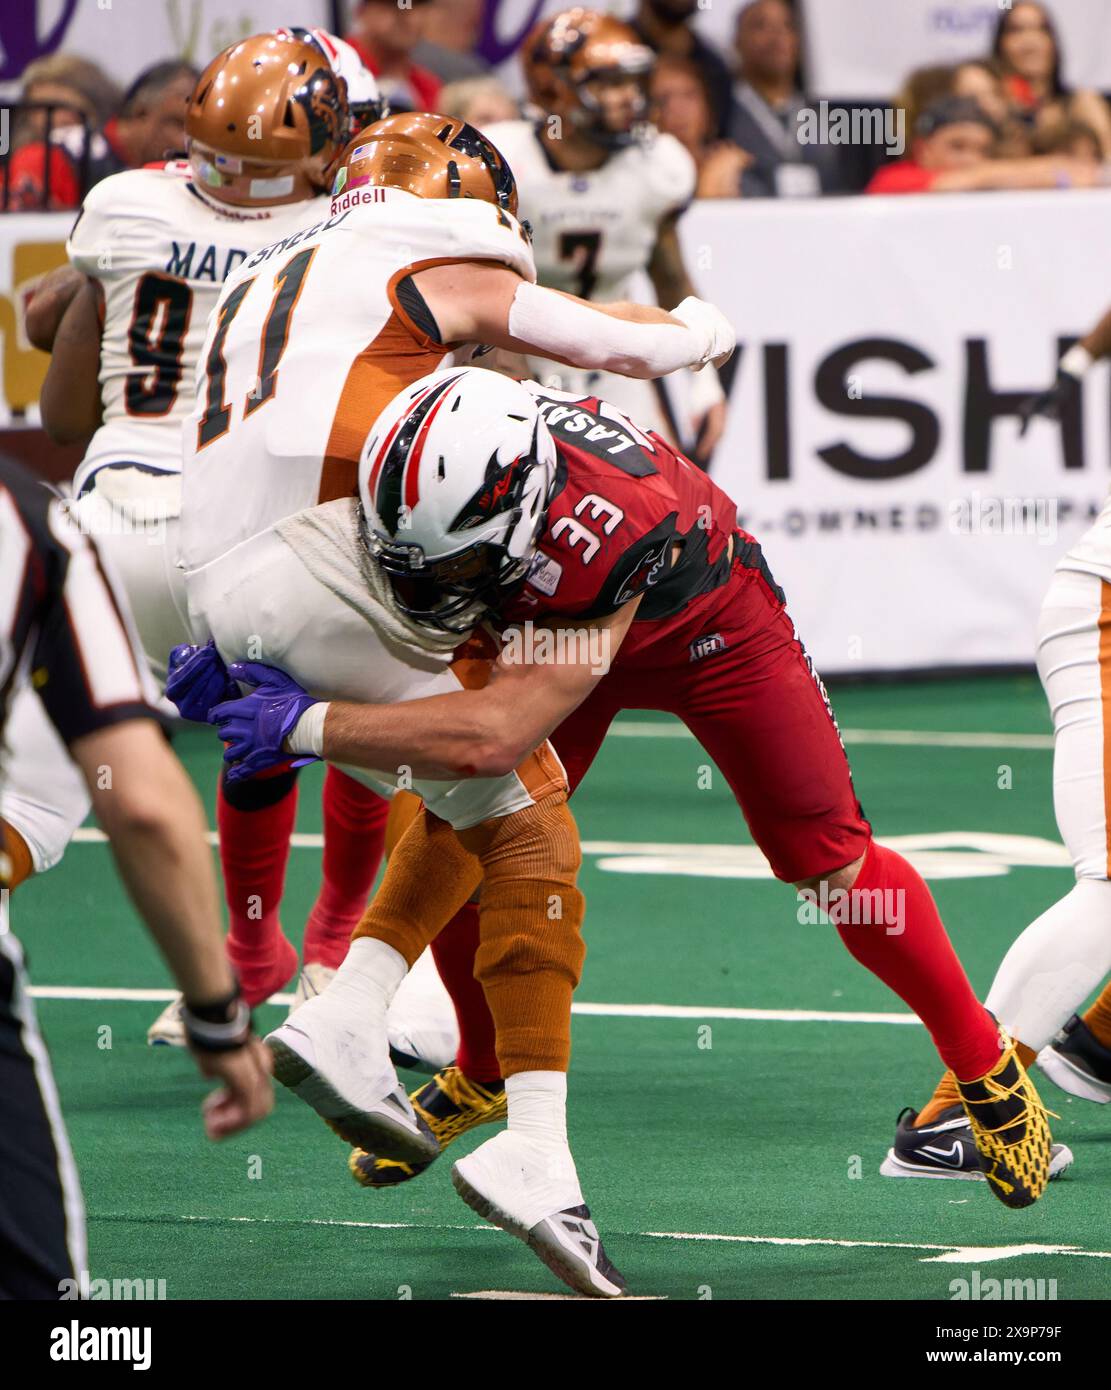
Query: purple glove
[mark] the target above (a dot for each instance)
(198, 679)
(254, 726)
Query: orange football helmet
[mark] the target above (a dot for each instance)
(572, 57)
(429, 155)
(266, 123)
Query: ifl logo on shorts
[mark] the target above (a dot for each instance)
(707, 646)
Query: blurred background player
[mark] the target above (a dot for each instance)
(150, 252)
(67, 633)
(603, 192)
(1065, 954)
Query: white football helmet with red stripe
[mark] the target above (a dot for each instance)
(454, 481)
(365, 102)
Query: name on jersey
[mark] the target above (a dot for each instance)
(569, 420)
(214, 264)
(286, 242)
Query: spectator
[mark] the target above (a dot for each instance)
(452, 57)
(151, 123)
(82, 99)
(953, 152)
(1029, 53)
(923, 87)
(982, 79)
(1073, 138)
(682, 108)
(85, 131)
(767, 102)
(664, 25)
(478, 100)
(384, 36)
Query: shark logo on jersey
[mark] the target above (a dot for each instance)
(645, 574)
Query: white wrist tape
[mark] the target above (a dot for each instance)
(1076, 361)
(556, 326)
(704, 318)
(308, 732)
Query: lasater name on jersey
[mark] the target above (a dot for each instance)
(572, 420)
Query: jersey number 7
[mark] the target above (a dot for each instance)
(288, 283)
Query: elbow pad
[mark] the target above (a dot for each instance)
(555, 326)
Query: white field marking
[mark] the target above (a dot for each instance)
(941, 854)
(949, 1254)
(108, 993)
(892, 738)
(519, 1296)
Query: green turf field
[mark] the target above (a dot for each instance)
(723, 1157)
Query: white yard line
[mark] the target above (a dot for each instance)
(939, 1254)
(895, 738)
(112, 994)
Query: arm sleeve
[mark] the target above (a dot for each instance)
(556, 326)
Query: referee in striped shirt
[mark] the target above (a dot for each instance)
(64, 626)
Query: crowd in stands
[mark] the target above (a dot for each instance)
(1004, 120)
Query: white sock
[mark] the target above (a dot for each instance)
(1059, 959)
(360, 992)
(537, 1102)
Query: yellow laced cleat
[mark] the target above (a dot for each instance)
(1009, 1128)
(450, 1104)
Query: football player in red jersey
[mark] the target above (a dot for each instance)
(643, 593)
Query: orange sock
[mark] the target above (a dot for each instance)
(19, 865)
(531, 950)
(947, 1094)
(429, 876)
(1098, 1017)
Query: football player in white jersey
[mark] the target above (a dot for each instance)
(1065, 954)
(603, 191)
(149, 253)
(420, 253)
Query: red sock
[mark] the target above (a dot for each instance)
(354, 834)
(907, 946)
(454, 952)
(254, 850)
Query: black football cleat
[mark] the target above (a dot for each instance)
(945, 1149)
(1078, 1062)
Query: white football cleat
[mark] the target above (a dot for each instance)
(313, 980)
(168, 1029)
(345, 1075)
(530, 1189)
(421, 1022)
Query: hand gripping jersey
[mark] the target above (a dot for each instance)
(312, 337)
(161, 254)
(625, 502)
